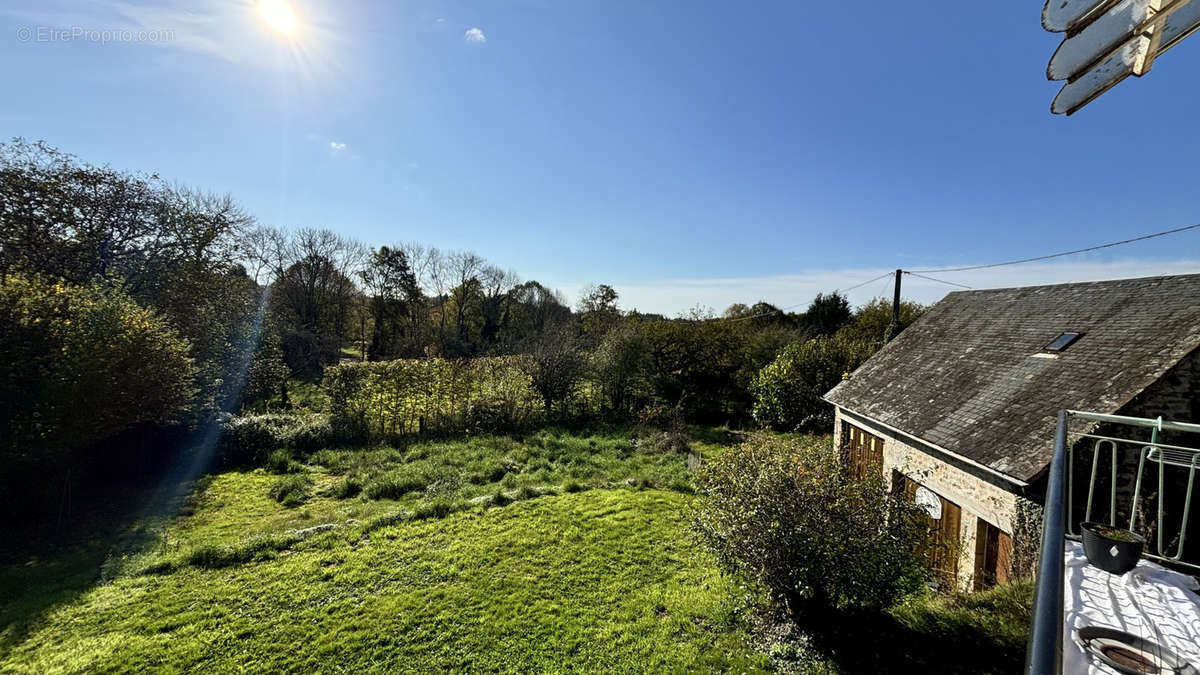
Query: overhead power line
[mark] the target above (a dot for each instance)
(1059, 255)
(940, 281)
(868, 281)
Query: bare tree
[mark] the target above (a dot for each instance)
(263, 250)
(432, 273)
(497, 286)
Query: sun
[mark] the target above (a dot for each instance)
(279, 15)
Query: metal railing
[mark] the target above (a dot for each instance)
(1044, 654)
(1045, 640)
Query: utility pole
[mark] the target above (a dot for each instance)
(894, 327)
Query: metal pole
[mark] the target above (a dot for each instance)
(1045, 641)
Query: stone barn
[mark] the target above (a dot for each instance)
(959, 411)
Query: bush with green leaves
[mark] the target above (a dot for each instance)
(787, 393)
(250, 440)
(489, 417)
(782, 512)
(872, 322)
(81, 363)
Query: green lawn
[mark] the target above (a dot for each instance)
(594, 580)
(575, 579)
(553, 551)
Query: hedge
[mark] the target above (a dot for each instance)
(409, 396)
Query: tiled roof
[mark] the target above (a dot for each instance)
(964, 376)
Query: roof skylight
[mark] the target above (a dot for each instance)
(1061, 342)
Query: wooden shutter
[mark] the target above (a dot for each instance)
(948, 541)
(863, 452)
(993, 556)
(1003, 558)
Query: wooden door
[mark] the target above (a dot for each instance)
(942, 546)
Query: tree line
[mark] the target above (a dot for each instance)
(130, 302)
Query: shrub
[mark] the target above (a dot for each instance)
(250, 440)
(489, 417)
(656, 416)
(680, 485)
(528, 492)
(333, 460)
(291, 490)
(81, 363)
(787, 393)
(310, 433)
(675, 441)
(784, 513)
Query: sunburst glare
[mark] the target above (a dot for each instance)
(279, 15)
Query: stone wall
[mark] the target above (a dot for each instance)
(978, 498)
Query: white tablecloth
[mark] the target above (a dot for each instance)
(1148, 601)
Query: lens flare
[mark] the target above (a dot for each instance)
(279, 15)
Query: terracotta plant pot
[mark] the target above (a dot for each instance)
(1112, 549)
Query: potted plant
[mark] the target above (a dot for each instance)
(1112, 549)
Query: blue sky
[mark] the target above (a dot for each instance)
(687, 153)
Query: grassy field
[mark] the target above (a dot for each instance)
(554, 551)
(575, 578)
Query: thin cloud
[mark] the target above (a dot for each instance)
(335, 146)
(474, 36)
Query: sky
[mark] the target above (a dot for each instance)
(689, 154)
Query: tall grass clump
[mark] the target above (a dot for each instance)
(396, 484)
(259, 547)
(348, 487)
(291, 490)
